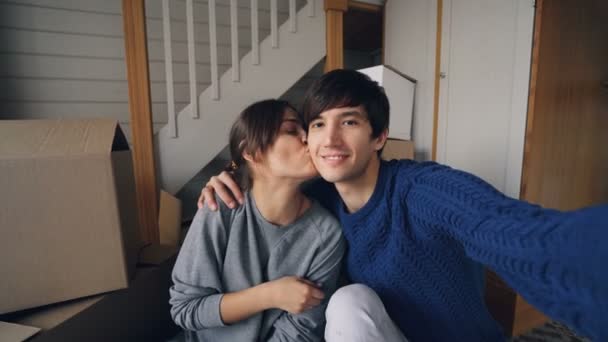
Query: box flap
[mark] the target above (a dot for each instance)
(16, 332)
(39, 138)
(50, 316)
(400, 90)
(398, 149)
(170, 219)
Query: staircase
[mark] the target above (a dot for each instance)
(186, 144)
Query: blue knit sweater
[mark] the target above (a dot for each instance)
(422, 237)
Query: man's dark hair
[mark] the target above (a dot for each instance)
(347, 88)
(254, 131)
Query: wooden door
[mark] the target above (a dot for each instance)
(566, 147)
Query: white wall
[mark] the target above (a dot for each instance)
(410, 35)
(486, 49)
(65, 58)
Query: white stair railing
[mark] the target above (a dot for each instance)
(274, 23)
(192, 58)
(213, 48)
(292, 16)
(264, 71)
(255, 39)
(234, 41)
(213, 51)
(172, 120)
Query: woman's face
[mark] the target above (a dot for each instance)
(288, 156)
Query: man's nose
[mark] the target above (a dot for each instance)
(332, 135)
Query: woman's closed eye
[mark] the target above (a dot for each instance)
(292, 128)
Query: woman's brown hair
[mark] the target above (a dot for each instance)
(253, 132)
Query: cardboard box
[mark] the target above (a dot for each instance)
(16, 332)
(49, 316)
(400, 90)
(398, 149)
(67, 211)
(139, 313)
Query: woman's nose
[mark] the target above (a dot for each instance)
(303, 137)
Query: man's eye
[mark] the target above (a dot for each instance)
(350, 123)
(316, 125)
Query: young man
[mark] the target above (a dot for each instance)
(418, 233)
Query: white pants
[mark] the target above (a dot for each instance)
(356, 313)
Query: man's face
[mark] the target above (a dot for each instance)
(341, 144)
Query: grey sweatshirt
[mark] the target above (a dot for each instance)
(233, 249)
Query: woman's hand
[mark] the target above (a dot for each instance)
(225, 187)
(294, 294)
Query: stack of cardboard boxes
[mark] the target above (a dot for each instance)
(69, 241)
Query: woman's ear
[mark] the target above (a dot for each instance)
(248, 157)
(255, 157)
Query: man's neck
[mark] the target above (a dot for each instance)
(356, 192)
(280, 204)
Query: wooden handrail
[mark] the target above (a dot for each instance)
(334, 17)
(136, 56)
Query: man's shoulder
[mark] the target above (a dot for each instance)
(410, 165)
(401, 176)
(410, 170)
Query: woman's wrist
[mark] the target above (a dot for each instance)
(264, 293)
(243, 304)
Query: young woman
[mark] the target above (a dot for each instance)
(262, 271)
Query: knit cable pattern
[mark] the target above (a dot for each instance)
(420, 240)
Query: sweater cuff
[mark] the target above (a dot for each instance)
(209, 312)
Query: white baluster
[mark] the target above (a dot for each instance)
(213, 51)
(255, 40)
(292, 16)
(192, 58)
(169, 70)
(234, 39)
(311, 8)
(274, 24)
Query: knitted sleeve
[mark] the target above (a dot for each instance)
(197, 289)
(555, 260)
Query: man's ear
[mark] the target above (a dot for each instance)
(380, 140)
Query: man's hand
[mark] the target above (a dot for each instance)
(225, 187)
(294, 294)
